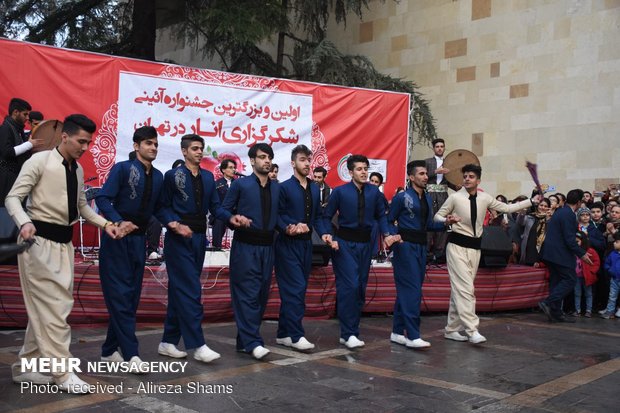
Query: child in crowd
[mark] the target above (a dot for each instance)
(586, 275)
(612, 265)
(598, 219)
(585, 224)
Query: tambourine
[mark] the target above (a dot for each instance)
(49, 132)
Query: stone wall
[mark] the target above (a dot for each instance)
(509, 80)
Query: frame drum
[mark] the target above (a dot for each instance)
(454, 161)
(49, 132)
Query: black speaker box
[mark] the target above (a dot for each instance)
(496, 247)
(321, 253)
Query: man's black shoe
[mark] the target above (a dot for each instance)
(545, 309)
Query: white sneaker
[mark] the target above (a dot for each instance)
(170, 350)
(477, 338)
(284, 341)
(259, 352)
(205, 354)
(352, 342)
(74, 385)
(114, 357)
(398, 339)
(154, 256)
(302, 344)
(618, 313)
(603, 311)
(418, 344)
(455, 335)
(137, 366)
(32, 377)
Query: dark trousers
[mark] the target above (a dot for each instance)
(250, 280)
(184, 260)
(437, 240)
(293, 263)
(153, 234)
(409, 264)
(351, 266)
(562, 280)
(121, 272)
(217, 233)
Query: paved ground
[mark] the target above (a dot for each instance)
(528, 365)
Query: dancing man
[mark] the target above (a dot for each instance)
(468, 206)
(53, 181)
(255, 197)
(413, 212)
(188, 194)
(358, 205)
(299, 212)
(128, 198)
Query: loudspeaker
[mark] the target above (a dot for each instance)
(496, 247)
(321, 253)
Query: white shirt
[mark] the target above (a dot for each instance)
(439, 165)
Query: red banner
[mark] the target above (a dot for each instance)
(231, 111)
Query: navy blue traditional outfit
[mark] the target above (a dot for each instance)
(253, 256)
(293, 258)
(129, 194)
(357, 209)
(414, 216)
(219, 226)
(186, 199)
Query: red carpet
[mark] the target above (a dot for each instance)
(509, 288)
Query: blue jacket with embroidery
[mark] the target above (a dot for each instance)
(177, 197)
(120, 198)
(405, 210)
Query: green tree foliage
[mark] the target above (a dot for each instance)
(96, 25)
(237, 33)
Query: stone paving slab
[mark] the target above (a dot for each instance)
(527, 365)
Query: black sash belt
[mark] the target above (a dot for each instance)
(464, 241)
(197, 223)
(54, 232)
(140, 221)
(303, 237)
(254, 236)
(414, 236)
(354, 235)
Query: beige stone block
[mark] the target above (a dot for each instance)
(456, 99)
(561, 28)
(465, 74)
(477, 143)
(494, 69)
(394, 59)
(601, 184)
(609, 51)
(366, 32)
(596, 114)
(399, 42)
(380, 27)
(454, 48)
(480, 9)
(519, 91)
(533, 34)
(488, 42)
(493, 94)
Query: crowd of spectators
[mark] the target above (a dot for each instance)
(597, 222)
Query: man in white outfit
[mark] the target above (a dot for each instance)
(463, 250)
